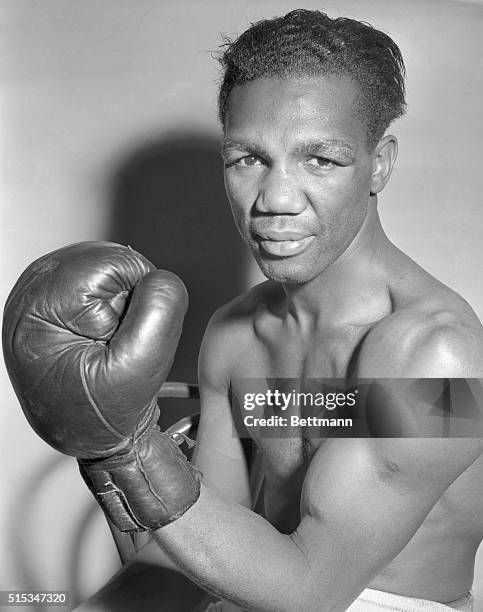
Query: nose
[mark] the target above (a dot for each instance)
(280, 194)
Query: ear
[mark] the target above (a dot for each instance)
(385, 155)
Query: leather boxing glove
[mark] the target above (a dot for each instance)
(89, 336)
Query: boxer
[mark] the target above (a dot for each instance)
(345, 523)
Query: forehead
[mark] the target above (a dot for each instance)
(325, 106)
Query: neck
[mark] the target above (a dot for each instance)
(341, 292)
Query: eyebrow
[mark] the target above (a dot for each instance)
(240, 144)
(314, 146)
(319, 146)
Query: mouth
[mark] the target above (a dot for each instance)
(283, 244)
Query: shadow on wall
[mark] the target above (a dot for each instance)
(169, 203)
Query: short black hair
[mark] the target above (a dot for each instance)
(309, 43)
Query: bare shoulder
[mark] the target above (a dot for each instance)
(231, 334)
(435, 334)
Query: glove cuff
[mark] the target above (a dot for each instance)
(148, 487)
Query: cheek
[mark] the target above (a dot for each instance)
(341, 207)
(241, 194)
(236, 201)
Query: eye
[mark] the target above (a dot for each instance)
(320, 162)
(248, 161)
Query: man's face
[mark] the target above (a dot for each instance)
(297, 172)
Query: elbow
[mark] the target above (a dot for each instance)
(313, 589)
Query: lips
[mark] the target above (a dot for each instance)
(283, 243)
(279, 236)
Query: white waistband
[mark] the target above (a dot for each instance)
(371, 600)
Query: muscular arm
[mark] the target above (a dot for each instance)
(362, 501)
(346, 535)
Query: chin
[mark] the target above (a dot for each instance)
(287, 272)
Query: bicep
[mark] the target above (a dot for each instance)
(363, 500)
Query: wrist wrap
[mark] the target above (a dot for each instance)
(147, 487)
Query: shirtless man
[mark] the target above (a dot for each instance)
(347, 523)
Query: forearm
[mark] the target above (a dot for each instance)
(239, 556)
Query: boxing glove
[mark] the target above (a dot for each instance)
(89, 336)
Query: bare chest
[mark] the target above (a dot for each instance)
(284, 453)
